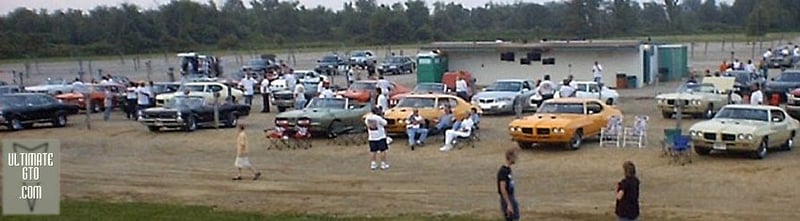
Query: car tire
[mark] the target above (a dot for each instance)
(702, 151)
(95, 108)
(709, 112)
(576, 140)
(761, 152)
(16, 125)
(336, 125)
(153, 128)
(787, 146)
(610, 101)
(233, 120)
(524, 145)
(666, 115)
(191, 124)
(60, 120)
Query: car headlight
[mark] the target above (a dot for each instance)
(744, 136)
(696, 102)
(140, 113)
(513, 129)
(662, 101)
(695, 133)
(558, 130)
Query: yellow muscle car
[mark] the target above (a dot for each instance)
(563, 121)
(430, 108)
(745, 128)
(701, 100)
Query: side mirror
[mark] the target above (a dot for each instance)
(525, 90)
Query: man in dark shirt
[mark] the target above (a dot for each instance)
(505, 187)
(627, 208)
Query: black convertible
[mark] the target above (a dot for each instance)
(190, 113)
(23, 110)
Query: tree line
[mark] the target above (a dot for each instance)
(182, 25)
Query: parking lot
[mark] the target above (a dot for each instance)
(121, 160)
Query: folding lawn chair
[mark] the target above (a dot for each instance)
(474, 136)
(302, 136)
(668, 141)
(612, 132)
(279, 136)
(680, 150)
(636, 134)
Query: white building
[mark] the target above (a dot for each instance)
(483, 59)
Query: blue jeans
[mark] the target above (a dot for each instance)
(299, 104)
(514, 206)
(107, 113)
(413, 132)
(624, 219)
(248, 99)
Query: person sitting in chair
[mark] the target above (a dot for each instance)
(473, 115)
(445, 122)
(465, 130)
(416, 126)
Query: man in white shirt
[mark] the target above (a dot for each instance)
(248, 84)
(750, 67)
(785, 51)
(767, 54)
(597, 72)
(756, 97)
(143, 95)
(377, 138)
(737, 65)
(326, 92)
(382, 101)
(265, 92)
(462, 88)
(291, 81)
(546, 88)
(415, 126)
(566, 89)
(384, 85)
(795, 54)
(464, 131)
(299, 96)
(130, 105)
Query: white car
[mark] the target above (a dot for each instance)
(361, 57)
(305, 76)
(51, 86)
(589, 89)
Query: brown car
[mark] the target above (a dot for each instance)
(96, 94)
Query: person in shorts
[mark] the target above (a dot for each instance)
(242, 158)
(378, 143)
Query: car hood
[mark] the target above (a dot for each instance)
(44, 87)
(313, 113)
(165, 109)
(353, 93)
(682, 96)
(403, 113)
(730, 126)
(69, 96)
(548, 120)
(496, 94)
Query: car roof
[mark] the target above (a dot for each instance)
(22, 94)
(432, 95)
(750, 106)
(203, 83)
(584, 82)
(511, 80)
(572, 100)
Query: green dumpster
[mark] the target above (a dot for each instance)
(632, 82)
(431, 67)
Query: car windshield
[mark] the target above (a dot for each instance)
(195, 88)
(424, 88)
(329, 59)
(53, 82)
(692, 87)
(561, 108)
(359, 54)
(362, 86)
(257, 63)
(395, 60)
(417, 102)
(789, 76)
(12, 101)
(330, 103)
(743, 114)
(163, 88)
(505, 86)
(185, 101)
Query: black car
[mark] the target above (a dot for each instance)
(781, 85)
(191, 112)
(744, 81)
(11, 89)
(397, 65)
(23, 110)
(329, 64)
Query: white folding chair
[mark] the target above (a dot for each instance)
(636, 134)
(612, 132)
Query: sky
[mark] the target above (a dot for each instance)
(7, 6)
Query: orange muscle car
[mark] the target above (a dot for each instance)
(361, 90)
(430, 107)
(96, 94)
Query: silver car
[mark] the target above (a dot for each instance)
(503, 95)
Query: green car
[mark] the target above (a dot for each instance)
(329, 114)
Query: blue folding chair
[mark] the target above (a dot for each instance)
(680, 149)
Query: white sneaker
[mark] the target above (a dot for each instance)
(384, 166)
(445, 148)
(373, 165)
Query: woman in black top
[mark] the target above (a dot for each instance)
(627, 208)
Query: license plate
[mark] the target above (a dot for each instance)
(720, 146)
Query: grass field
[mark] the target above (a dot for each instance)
(94, 210)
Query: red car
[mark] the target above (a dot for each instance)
(361, 90)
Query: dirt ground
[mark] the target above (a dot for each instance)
(121, 160)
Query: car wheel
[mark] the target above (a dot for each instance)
(575, 142)
(709, 113)
(60, 120)
(702, 151)
(191, 124)
(334, 127)
(95, 108)
(153, 128)
(524, 145)
(787, 146)
(233, 120)
(15, 124)
(610, 101)
(761, 152)
(666, 115)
